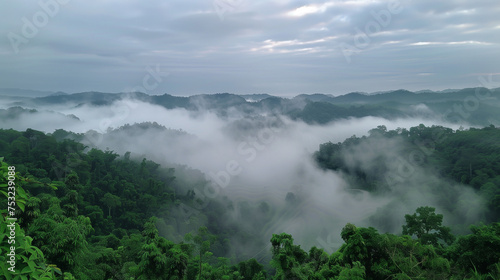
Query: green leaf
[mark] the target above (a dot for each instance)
(32, 265)
(27, 269)
(58, 270)
(21, 204)
(5, 271)
(21, 192)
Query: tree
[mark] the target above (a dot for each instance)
(161, 258)
(202, 240)
(479, 250)
(317, 258)
(250, 269)
(177, 262)
(63, 240)
(20, 149)
(153, 263)
(379, 131)
(287, 258)
(426, 225)
(408, 258)
(357, 272)
(31, 211)
(111, 201)
(70, 204)
(355, 249)
(72, 181)
(30, 262)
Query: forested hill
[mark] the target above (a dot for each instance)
(401, 157)
(90, 214)
(477, 106)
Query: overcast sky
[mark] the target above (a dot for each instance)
(282, 47)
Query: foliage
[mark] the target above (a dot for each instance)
(84, 213)
(466, 156)
(479, 251)
(426, 225)
(26, 260)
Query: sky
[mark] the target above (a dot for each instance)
(282, 47)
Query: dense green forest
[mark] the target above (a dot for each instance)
(84, 213)
(471, 157)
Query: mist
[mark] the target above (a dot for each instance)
(267, 159)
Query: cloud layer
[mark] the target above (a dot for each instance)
(279, 47)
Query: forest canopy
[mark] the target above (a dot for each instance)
(84, 213)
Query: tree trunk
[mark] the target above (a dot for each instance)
(200, 267)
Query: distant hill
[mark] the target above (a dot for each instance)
(255, 97)
(451, 105)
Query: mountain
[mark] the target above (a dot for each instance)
(94, 98)
(14, 113)
(255, 97)
(454, 105)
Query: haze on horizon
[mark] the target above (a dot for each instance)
(283, 47)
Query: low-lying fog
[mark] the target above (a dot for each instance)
(265, 158)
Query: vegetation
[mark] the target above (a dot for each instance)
(313, 108)
(469, 157)
(90, 214)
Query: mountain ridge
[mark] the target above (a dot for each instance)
(311, 108)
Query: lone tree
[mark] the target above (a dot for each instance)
(427, 226)
(111, 201)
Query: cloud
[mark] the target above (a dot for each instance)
(309, 9)
(411, 184)
(450, 43)
(106, 46)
